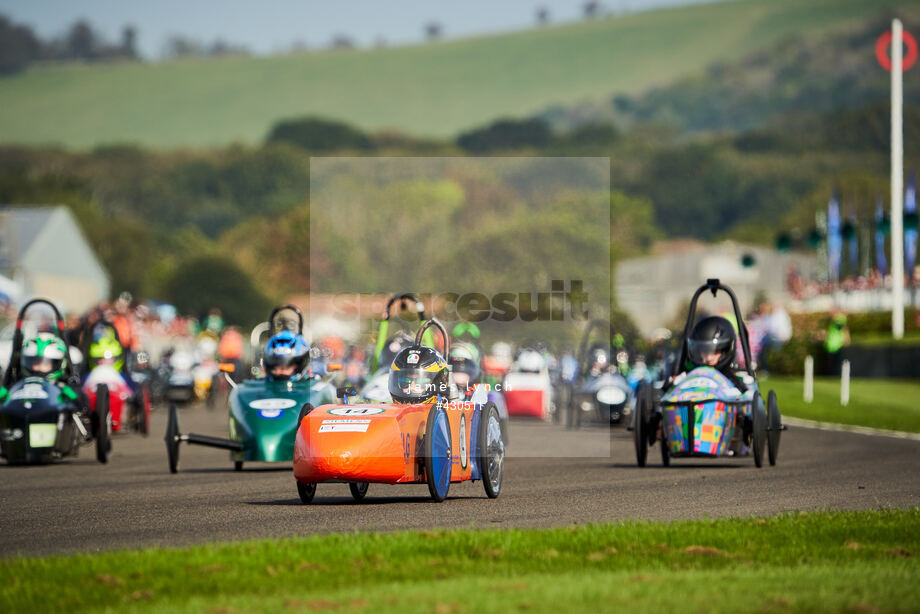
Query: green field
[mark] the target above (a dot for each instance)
(433, 90)
(842, 561)
(884, 404)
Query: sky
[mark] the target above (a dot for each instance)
(271, 26)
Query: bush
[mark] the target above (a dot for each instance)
(507, 134)
(201, 283)
(321, 135)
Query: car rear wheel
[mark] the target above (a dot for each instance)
(663, 442)
(491, 450)
(172, 438)
(358, 490)
(775, 427)
(103, 424)
(145, 409)
(759, 434)
(640, 426)
(438, 458)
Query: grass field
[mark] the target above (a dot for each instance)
(844, 561)
(432, 90)
(884, 404)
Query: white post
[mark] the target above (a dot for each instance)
(809, 392)
(897, 184)
(845, 383)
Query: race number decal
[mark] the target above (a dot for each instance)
(347, 426)
(30, 391)
(463, 450)
(355, 411)
(42, 435)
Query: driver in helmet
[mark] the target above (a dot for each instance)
(712, 344)
(418, 375)
(599, 359)
(464, 364)
(286, 356)
(43, 356)
(106, 350)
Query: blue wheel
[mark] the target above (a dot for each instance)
(437, 453)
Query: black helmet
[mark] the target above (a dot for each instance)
(393, 345)
(418, 375)
(712, 343)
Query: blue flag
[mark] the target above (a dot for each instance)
(881, 263)
(834, 242)
(853, 245)
(910, 234)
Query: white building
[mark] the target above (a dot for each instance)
(44, 251)
(652, 289)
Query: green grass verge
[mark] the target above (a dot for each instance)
(432, 90)
(856, 561)
(885, 340)
(884, 404)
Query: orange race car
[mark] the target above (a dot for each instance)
(425, 437)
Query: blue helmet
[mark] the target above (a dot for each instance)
(286, 355)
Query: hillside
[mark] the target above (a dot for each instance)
(797, 75)
(434, 90)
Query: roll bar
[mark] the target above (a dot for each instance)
(714, 285)
(14, 368)
(433, 323)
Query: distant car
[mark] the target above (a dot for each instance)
(263, 412)
(528, 387)
(703, 413)
(42, 420)
(600, 393)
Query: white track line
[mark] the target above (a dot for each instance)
(849, 428)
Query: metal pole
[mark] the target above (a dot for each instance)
(897, 185)
(809, 387)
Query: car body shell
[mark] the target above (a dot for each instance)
(702, 414)
(263, 415)
(37, 423)
(381, 443)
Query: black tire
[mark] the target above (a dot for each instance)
(237, 465)
(641, 425)
(306, 492)
(759, 434)
(209, 399)
(774, 426)
(663, 442)
(491, 444)
(144, 426)
(358, 490)
(172, 438)
(103, 424)
(437, 453)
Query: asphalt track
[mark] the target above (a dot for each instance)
(79, 505)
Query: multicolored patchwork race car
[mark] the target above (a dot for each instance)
(713, 407)
(424, 437)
